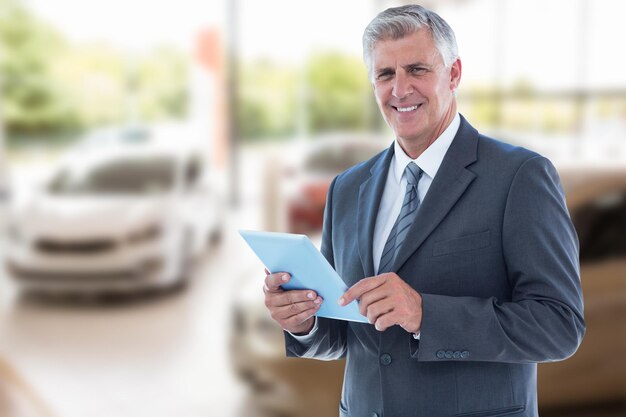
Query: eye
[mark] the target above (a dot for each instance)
(417, 70)
(384, 75)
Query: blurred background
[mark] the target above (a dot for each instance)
(137, 137)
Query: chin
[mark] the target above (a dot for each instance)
(409, 136)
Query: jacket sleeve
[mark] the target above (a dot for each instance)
(543, 321)
(329, 340)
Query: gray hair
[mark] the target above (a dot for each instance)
(398, 22)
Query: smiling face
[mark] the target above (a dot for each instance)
(414, 89)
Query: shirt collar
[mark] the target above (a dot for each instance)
(430, 160)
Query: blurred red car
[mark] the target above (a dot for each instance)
(322, 161)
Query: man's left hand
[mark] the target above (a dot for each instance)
(387, 300)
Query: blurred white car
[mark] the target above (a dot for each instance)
(121, 219)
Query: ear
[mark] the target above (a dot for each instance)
(455, 74)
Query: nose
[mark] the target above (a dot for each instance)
(401, 86)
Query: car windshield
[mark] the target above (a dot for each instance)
(336, 159)
(120, 136)
(122, 176)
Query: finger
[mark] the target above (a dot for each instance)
(364, 285)
(376, 310)
(274, 281)
(370, 297)
(301, 317)
(385, 321)
(267, 272)
(288, 311)
(290, 297)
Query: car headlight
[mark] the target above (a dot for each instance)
(146, 234)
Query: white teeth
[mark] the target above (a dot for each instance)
(405, 109)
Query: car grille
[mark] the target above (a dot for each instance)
(142, 271)
(86, 247)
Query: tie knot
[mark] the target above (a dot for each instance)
(413, 173)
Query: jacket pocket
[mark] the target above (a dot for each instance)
(463, 243)
(495, 412)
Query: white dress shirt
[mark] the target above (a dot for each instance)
(395, 188)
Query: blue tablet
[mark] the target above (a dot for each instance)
(297, 255)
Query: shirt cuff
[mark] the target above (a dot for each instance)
(308, 336)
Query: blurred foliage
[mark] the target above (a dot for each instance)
(552, 113)
(340, 93)
(330, 93)
(267, 101)
(110, 87)
(163, 85)
(50, 87)
(31, 100)
(97, 87)
(477, 104)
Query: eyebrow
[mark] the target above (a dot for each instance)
(384, 71)
(418, 64)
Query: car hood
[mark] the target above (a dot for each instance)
(89, 216)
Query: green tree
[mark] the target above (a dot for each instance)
(331, 92)
(92, 79)
(267, 101)
(109, 86)
(32, 101)
(162, 84)
(339, 93)
(48, 86)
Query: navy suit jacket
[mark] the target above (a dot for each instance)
(493, 254)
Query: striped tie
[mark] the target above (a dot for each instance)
(398, 233)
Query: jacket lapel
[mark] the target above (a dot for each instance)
(370, 194)
(449, 184)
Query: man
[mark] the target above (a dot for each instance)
(458, 247)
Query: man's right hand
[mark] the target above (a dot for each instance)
(293, 310)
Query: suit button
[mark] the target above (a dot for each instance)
(465, 354)
(385, 359)
(456, 354)
(449, 354)
(441, 354)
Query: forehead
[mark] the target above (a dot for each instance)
(415, 47)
